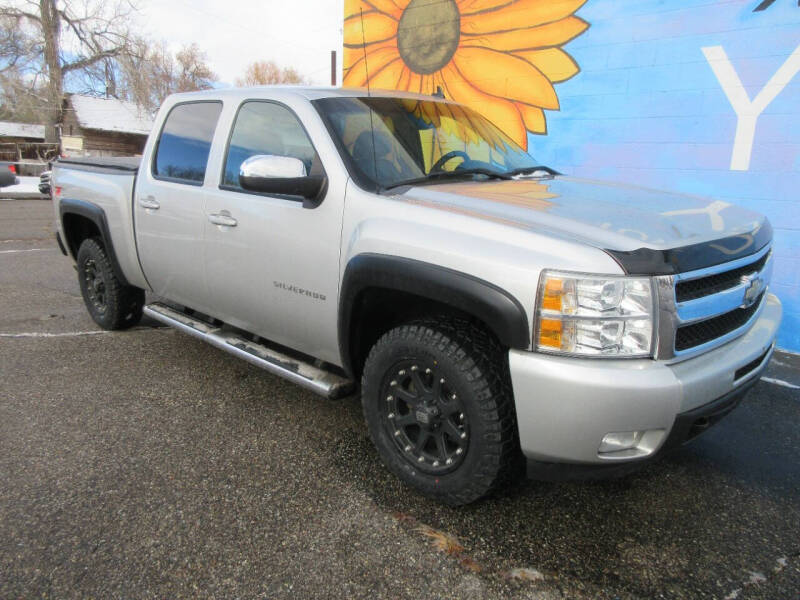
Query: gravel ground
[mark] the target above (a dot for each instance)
(147, 464)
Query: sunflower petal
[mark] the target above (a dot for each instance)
(377, 28)
(389, 76)
(447, 75)
(387, 7)
(471, 7)
(356, 75)
(554, 63)
(415, 82)
(506, 76)
(427, 85)
(520, 15)
(354, 8)
(501, 112)
(350, 56)
(404, 80)
(532, 38)
(533, 117)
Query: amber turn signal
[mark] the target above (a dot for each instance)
(550, 331)
(552, 293)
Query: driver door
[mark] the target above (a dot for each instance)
(274, 269)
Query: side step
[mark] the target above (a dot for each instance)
(302, 373)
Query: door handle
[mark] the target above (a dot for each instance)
(222, 219)
(149, 202)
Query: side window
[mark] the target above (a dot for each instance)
(185, 142)
(266, 128)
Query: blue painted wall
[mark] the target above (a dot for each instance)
(648, 108)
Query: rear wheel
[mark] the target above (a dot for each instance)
(111, 304)
(439, 408)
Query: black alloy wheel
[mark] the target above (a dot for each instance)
(95, 286)
(425, 417)
(437, 400)
(111, 304)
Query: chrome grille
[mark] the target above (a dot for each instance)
(706, 308)
(702, 332)
(712, 284)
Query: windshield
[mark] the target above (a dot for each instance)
(409, 140)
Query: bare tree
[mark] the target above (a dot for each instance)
(150, 72)
(72, 36)
(22, 97)
(266, 72)
(192, 71)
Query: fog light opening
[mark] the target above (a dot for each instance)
(625, 440)
(626, 445)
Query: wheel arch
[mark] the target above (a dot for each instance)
(381, 291)
(81, 220)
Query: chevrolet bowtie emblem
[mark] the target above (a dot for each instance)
(754, 285)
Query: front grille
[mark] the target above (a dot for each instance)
(689, 336)
(719, 282)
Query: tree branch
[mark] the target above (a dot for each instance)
(15, 12)
(90, 60)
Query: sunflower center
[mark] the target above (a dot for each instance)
(428, 34)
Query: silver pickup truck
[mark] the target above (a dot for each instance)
(495, 313)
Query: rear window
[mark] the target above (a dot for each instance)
(185, 142)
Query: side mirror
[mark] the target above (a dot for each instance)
(283, 175)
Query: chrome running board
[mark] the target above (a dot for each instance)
(302, 373)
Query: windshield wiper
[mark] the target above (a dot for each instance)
(457, 174)
(531, 171)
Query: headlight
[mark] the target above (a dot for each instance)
(590, 315)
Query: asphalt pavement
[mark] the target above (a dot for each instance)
(147, 464)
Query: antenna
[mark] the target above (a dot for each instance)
(369, 95)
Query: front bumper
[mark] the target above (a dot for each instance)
(566, 406)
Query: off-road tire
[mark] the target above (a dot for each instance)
(476, 369)
(111, 304)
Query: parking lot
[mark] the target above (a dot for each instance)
(147, 464)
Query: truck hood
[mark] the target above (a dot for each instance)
(615, 217)
(603, 214)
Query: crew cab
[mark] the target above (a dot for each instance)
(493, 312)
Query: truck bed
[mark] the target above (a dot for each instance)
(87, 163)
(108, 184)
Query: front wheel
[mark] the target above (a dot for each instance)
(111, 304)
(439, 408)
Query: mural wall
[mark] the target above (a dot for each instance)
(693, 96)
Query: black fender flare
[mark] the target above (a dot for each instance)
(501, 311)
(96, 215)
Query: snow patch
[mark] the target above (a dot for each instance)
(110, 114)
(756, 578)
(526, 574)
(26, 186)
(781, 383)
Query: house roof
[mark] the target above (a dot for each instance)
(110, 114)
(21, 130)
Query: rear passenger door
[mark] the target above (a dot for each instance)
(168, 205)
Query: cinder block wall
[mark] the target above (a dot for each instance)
(693, 96)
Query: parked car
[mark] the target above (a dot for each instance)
(490, 308)
(44, 183)
(8, 174)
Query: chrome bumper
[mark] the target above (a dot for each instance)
(566, 406)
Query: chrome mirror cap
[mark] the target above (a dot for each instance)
(272, 167)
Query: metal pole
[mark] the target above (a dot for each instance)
(333, 67)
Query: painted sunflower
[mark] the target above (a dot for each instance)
(499, 57)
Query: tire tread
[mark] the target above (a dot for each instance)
(480, 358)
